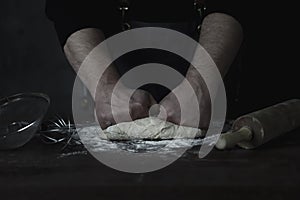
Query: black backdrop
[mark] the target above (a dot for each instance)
(31, 59)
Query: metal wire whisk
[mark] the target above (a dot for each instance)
(60, 131)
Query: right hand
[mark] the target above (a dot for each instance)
(173, 110)
(139, 105)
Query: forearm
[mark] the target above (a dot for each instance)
(221, 36)
(79, 46)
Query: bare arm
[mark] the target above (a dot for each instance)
(78, 47)
(221, 36)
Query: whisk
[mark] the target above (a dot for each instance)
(60, 131)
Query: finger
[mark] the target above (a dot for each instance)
(205, 117)
(155, 110)
(105, 124)
(152, 101)
(105, 121)
(138, 111)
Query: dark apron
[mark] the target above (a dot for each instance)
(140, 57)
(191, 28)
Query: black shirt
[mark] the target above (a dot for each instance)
(70, 16)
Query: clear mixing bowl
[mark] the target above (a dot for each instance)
(20, 118)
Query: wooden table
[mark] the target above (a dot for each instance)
(38, 171)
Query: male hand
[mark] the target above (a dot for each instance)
(107, 113)
(173, 110)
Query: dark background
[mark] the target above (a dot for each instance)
(31, 59)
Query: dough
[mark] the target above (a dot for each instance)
(150, 128)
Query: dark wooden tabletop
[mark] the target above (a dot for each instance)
(39, 171)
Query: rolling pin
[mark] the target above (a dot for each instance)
(257, 128)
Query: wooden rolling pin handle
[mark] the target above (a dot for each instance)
(231, 139)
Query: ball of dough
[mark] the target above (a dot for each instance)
(151, 128)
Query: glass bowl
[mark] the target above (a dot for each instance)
(20, 118)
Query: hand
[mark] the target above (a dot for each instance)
(172, 108)
(139, 105)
